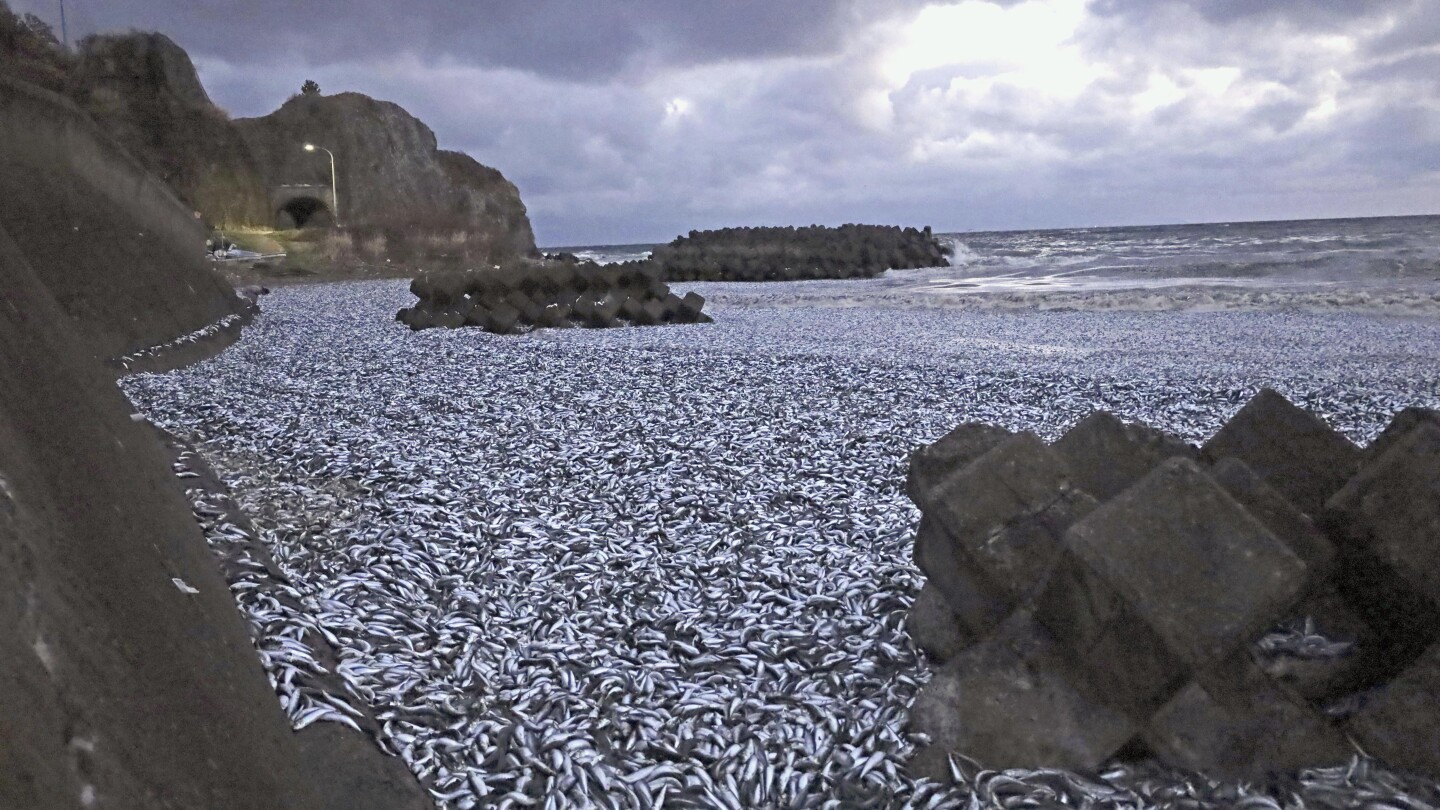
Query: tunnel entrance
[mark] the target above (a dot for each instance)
(303, 212)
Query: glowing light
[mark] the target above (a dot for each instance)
(1026, 45)
(1215, 81)
(1161, 91)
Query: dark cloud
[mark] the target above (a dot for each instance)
(1305, 14)
(575, 41)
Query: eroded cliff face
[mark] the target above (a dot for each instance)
(143, 89)
(391, 172)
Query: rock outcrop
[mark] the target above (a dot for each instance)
(144, 90)
(391, 172)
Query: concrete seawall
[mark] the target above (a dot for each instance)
(118, 251)
(127, 675)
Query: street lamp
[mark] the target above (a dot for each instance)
(334, 193)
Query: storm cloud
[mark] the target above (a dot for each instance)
(636, 121)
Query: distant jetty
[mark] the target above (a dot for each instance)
(793, 254)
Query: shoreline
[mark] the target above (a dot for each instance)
(894, 291)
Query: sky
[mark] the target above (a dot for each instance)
(638, 120)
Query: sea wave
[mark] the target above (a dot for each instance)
(1208, 297)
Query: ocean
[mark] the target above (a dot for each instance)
(1387, 264)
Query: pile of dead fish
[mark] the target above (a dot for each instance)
(290, 640)
(137, 359)
(1267, 602)
(553, 295)
(645, 567)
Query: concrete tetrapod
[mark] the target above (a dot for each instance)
(1291, 448)
(1387, 524)
(1200, 605)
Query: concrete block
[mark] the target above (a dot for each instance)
(1400, 722)
(669, 308)
(1394, 504)
(931, 463)
(935, 628)
(691, 305)
(608, 309)
(419, 319)
(565, 297)
(450, 319)
(1233, 722)
(1399, 427)
(477, 316)
(553, 315)
(1001, 518)
(1019, 556)
(1020, 474)
(1280, 516)
(656, 311)
(1197, 568)
(1107, 639)
(529, 311)
(1386, 522)
(1292, 449)
(633, 310)
(1106, 455)
(503, 320)
(1015, 701)
(977, 602)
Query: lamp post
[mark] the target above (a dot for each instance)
(334, 193)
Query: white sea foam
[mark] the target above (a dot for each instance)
(1015, 292)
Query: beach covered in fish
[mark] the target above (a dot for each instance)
(672, 566)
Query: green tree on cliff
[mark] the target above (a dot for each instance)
(310, 88)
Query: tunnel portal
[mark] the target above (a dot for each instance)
(304, 212)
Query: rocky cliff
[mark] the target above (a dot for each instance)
(143, 89)
(391, 172)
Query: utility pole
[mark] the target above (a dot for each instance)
(64, 32)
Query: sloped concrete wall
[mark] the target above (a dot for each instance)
(119, 252)
(114, 683)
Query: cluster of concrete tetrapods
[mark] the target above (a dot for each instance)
(553, 296)
(1264, 603)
